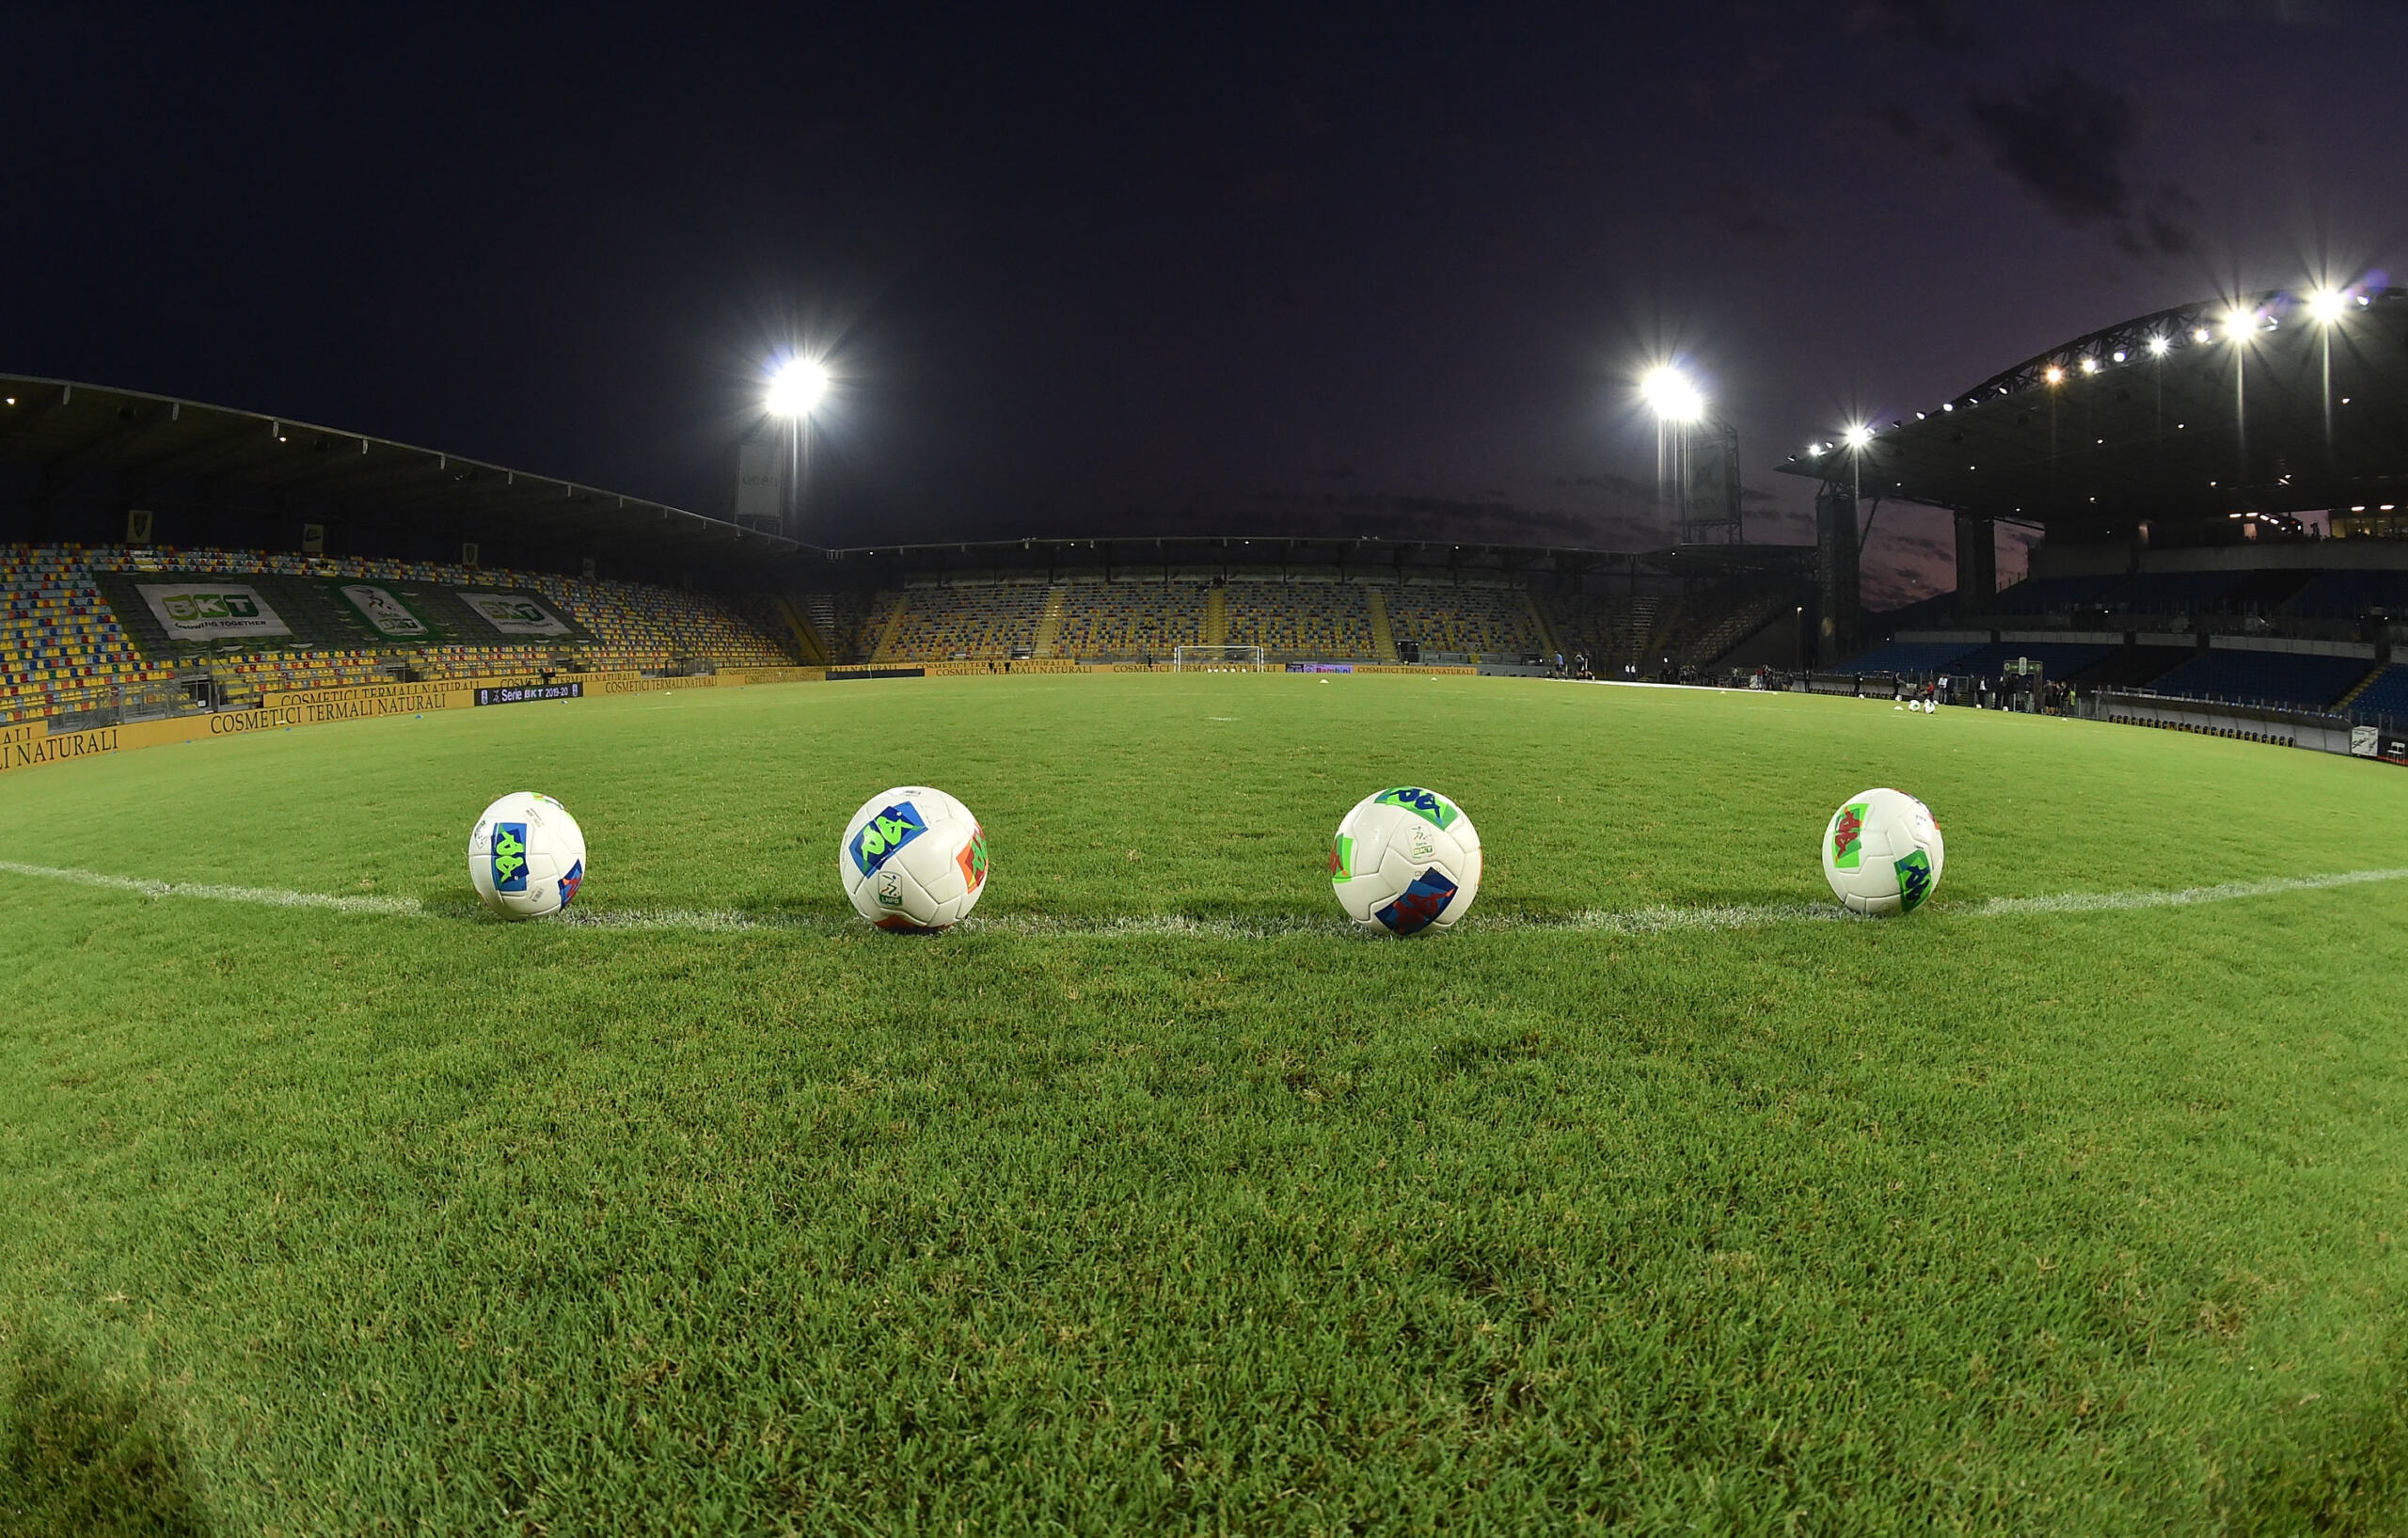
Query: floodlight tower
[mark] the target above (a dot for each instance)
(796, 388)
(1696, 456)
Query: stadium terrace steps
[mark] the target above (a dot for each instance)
(75, 633)
(1491, 623)
(2360, 687)
(2279, 678)
(1382, 634)
(1049, 624)
(883, 650)
(1216, 617)
(2131, 666)
(1906, 657)
(2383, 693)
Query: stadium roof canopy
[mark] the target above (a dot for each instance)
(64, 444)
(2273, 403)
(1191, 554)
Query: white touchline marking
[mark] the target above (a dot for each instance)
(1637, 921)
(263, 895)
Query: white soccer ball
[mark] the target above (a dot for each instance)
(1882, 853)
(525, 856)
(913, 860)
(1405, 861)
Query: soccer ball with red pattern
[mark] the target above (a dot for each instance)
(1882, 853)
(913, 860)
(1405, 861)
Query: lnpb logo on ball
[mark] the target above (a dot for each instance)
(1847, 836)
(884, 833)
(510, 857)
(1427, 804)
(1419, 906)
(1914, 881)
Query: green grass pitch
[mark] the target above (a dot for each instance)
(2005, 1217)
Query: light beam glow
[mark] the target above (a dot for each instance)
(797, 387)
(1669, 392)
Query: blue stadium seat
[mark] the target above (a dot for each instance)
(1907, 657)
(2346, 595)
(2050, 595)
(2059, 659)
(2386, 696)
(2268, 677)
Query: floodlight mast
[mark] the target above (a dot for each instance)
(1697, 458)
(796, 388)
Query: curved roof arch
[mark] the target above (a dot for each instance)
(2204, 410)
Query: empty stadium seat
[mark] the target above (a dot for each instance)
(63, 647)
(1909, 657)
(2283, 678)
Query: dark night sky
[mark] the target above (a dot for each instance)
(1392, 270)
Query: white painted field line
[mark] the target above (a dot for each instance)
(1639, 921)
(265, 897)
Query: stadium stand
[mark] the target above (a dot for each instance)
(2131, 666)
(1301, 619)
(1492, 623)
(65, 644)
(942, 624)
(61, 647)
(2284, 678)
(2051, 595)
(2386, 696)
(2171, 592)
(2058, 660)
(1910, 657)
(1129, 619)
(1612, 631)
(2347, 594)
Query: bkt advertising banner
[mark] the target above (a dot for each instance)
(515, 613)
(387, 613)
(206, 611)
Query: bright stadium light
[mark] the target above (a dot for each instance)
(2200, 334)
(2157, 346)
(2054, 374)
(2090, 365)
(2328, 305)
(2239, 325)
(1670, 394)
(797, 386)
(1858, 436)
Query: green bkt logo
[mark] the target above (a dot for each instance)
(1914, 881)
(184, 607)
(1423, 804)
(1847, 836)
(884, 833)
(1341, 860)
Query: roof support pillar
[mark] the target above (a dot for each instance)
(1977, 565)
(1836, 546)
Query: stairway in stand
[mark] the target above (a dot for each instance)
(2359, 688)
(1383, 636)
(1049, 625)
(882, 651)
(1216, 617)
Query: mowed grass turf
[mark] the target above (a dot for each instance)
(315, 1222)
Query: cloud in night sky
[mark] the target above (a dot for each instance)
(2069, 143)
